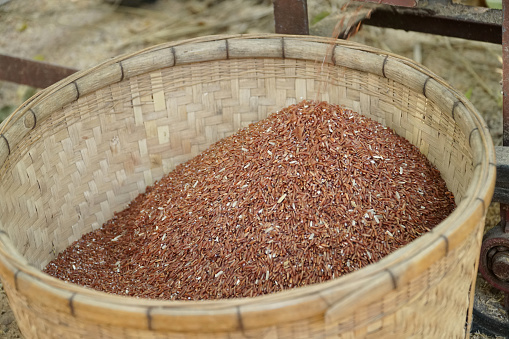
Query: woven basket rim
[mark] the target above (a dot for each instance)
(477, 199)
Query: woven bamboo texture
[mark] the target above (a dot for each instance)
(85, 147)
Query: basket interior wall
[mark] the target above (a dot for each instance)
(91, 158)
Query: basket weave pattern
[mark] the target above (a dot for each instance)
(83, 148)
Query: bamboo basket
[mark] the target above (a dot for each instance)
(85, 147)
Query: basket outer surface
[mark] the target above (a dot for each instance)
(85, 147)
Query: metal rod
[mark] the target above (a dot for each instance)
(454, 20)
(32, 73)
(504, 207)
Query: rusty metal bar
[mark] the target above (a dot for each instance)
(435, 17)
(291, 17)
(504, 176)
(32, 73)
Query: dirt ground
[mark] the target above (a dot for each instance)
(82, 33)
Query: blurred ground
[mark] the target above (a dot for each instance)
(82, 33)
